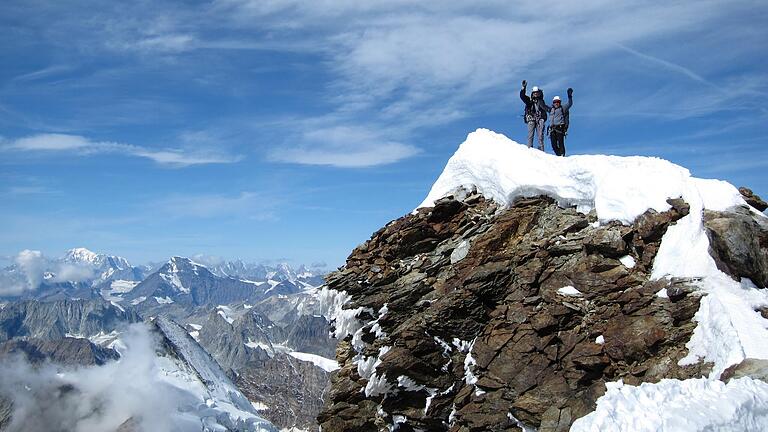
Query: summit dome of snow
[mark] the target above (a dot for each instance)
(618, 188)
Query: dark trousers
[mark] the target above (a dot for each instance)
(557, 136)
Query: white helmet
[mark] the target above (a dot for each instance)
(556, 98)
(535, 89)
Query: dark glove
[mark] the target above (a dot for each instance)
(525, 83)
(570, 92)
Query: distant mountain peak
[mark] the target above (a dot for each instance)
(82, 255)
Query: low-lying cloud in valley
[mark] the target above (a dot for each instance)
(94, 398)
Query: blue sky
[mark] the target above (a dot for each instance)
(292, 130)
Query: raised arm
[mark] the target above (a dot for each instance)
(526, 100)
(568, 104)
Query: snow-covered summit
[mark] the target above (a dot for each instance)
(82, 255)
(616, 187)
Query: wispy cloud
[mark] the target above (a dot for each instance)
(343, 146)
(44, 73)
(251, 205)
(81, 145)
(669, 65)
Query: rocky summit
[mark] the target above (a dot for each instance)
(469, 319)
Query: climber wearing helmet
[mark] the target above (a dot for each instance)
(559, 125)
(535, 114)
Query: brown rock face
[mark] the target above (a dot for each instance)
(479, 336)
(753, 199)
(739, 243)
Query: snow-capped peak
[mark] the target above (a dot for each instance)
(82, 255)
(617, 188)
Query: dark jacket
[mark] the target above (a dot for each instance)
(534, 108)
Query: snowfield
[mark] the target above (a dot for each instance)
(622, 188)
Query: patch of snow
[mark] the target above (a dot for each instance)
(600, 340)
(397, 420)
(408, 384)
(366, 366)
(569, 291)
(164, 300)
(195, 326)
(117, 287)
(225, 316)
(258, 406)
(323, 363)
(74, 335)
(138, 300)
(377, 385)
(195, 334)
(673, 405)
(520, 424)
(266, 347)
(103, 339)
(332, 308)
(628, 261)
(469, 364)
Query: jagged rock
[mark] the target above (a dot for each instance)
(534, 350)
(739, 243)
(753, 199)
(755, 368)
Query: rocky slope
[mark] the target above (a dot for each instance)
(66, 351)
(56, 320)
(286, 406)
(462, 277)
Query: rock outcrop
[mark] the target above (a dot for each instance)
(739, 243)
(474, 318)
(753, 199)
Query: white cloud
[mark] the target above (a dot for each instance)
(95, 398)
(343, 146)
(50, 142)
(33, 264)
(73, 273)
(81, 145)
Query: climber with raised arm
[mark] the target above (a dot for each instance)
(535, 113)
(558, 127)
